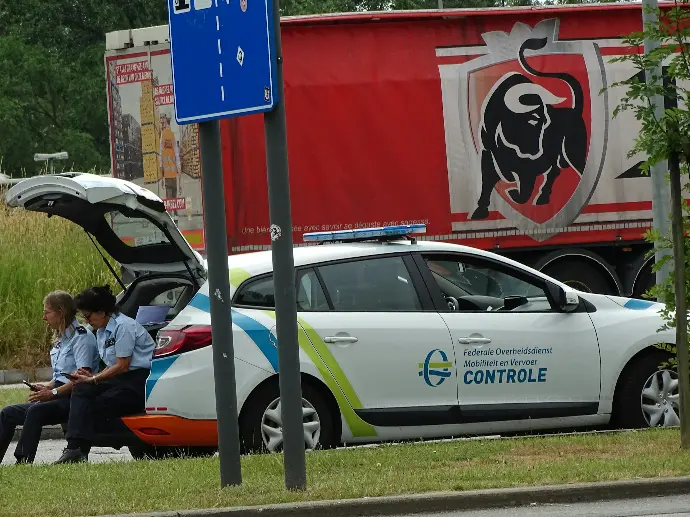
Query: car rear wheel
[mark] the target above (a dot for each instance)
(647, 396)
(261, 427)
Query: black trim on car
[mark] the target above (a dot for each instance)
(475, 413)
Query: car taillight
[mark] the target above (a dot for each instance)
(177, 340)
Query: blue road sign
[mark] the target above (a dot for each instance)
(223, 58)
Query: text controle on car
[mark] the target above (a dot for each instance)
(399, 338)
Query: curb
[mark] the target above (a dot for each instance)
(436, 502)
(17, 376)
(50, 432)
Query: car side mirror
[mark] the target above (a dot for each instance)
(566, 300)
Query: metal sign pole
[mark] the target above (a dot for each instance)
(221, 311)
(284, 278)
(223, 61)
(661, 192)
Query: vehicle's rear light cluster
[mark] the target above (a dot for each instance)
(177, 340)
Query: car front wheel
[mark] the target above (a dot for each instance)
(261, 427)
(648, 396)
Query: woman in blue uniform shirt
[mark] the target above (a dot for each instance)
(74, 348)
(119, 390)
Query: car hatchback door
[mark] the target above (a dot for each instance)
(128, 221)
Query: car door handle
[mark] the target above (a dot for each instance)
(474, 340)
(340, 339)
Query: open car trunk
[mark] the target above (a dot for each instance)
(130, 223)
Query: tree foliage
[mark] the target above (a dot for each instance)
(665, 136)
(52, 86)
(660, 137)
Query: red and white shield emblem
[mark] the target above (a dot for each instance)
(243, 5)
(531, 128)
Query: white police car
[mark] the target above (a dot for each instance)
(399, 338)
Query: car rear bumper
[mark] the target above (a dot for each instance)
(169, 430)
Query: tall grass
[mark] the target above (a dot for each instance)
(38, 255)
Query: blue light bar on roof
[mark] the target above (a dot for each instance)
(365, 233)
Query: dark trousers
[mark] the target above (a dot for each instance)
(91, 403)
(32, 416)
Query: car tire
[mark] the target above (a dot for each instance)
(151, 452)
(630, 400)
(267, 398)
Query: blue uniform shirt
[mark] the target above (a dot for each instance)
(124, 337)
(75, 349)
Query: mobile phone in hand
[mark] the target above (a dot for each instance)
(70, 376)
(31, 386)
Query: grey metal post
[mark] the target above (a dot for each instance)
(440, 4)
(219, 294)
(661, 192)
(284, 279)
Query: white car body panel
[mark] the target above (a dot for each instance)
(584, 368)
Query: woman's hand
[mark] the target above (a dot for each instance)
(41, 396)
(81, 378)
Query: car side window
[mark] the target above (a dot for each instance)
(310, 295)
(473, 284)
(258, 293)
(380, 284)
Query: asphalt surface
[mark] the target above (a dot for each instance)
(50, 450)
(675, 506)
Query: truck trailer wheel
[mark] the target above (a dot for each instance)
(581, 271)
(645, 278)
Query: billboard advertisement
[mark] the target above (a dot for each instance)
(148, 147)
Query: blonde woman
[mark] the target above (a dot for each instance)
(74, 348)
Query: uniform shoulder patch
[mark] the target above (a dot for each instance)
(81, 330)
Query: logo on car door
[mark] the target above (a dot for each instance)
(436, 368)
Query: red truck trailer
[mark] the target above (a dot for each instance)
(489, 125)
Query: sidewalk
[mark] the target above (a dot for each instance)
(12, 377)
(437, 502)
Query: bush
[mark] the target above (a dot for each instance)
(38, 255)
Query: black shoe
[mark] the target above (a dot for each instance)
(21, 460)
(71, 456)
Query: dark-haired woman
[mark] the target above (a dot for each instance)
(126, 348)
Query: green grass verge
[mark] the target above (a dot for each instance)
(38, 255)
(128, 487)
(9, 396)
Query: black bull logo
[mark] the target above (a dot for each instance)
(523, 136)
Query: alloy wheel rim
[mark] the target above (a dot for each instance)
(272, 426)
(659, 399)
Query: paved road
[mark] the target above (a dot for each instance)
(677, 506)
(50, 450)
